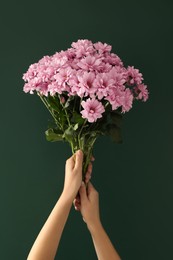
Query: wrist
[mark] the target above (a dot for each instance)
(94, 226)
(67, 198)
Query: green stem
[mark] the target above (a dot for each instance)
(49, 109)
(64, 110)
(74, 104)
(107, 104)
(88, 144)
(72, 147)
(80, 104)
(80, 132)
(85, 144)
(67, 117)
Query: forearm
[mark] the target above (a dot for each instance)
(47, 242)
(103, 246)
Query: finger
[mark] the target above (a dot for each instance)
(82, 192)
(74, 202)
(90, 187)
(77, 200)
(87, 178)
(77, 197)
(78, 159)
(92, 159)
(90, 167)
(77, 208)
(76, 205)
(88, 174)
(70, 162)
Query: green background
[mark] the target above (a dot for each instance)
(135, 179)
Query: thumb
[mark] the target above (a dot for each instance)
(82, 192)
(70, 163)
(79, 159)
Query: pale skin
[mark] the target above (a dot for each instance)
(47, 241)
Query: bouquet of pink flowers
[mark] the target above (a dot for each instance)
(86, 90)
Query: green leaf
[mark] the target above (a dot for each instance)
(115, 132)
(75, 127)
(54, 103)
(116, 118)
(67, 104)
(69, 134)
(52, 136)
(77, 118)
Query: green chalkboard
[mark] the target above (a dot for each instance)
(134, 179)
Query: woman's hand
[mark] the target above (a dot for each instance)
(73, 175)
(89, 208)
(88, 205)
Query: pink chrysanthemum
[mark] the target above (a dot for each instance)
(87, 70)
(93, 109)
(63, 76)
(83, 48)
(102, 48)
(113, 59)
(142, 92)
(103, 83)
(127, 100)
(86, 86)
(120, 97)
(133, 76)
(90, 63)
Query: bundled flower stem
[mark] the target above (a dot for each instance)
(74, 133)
